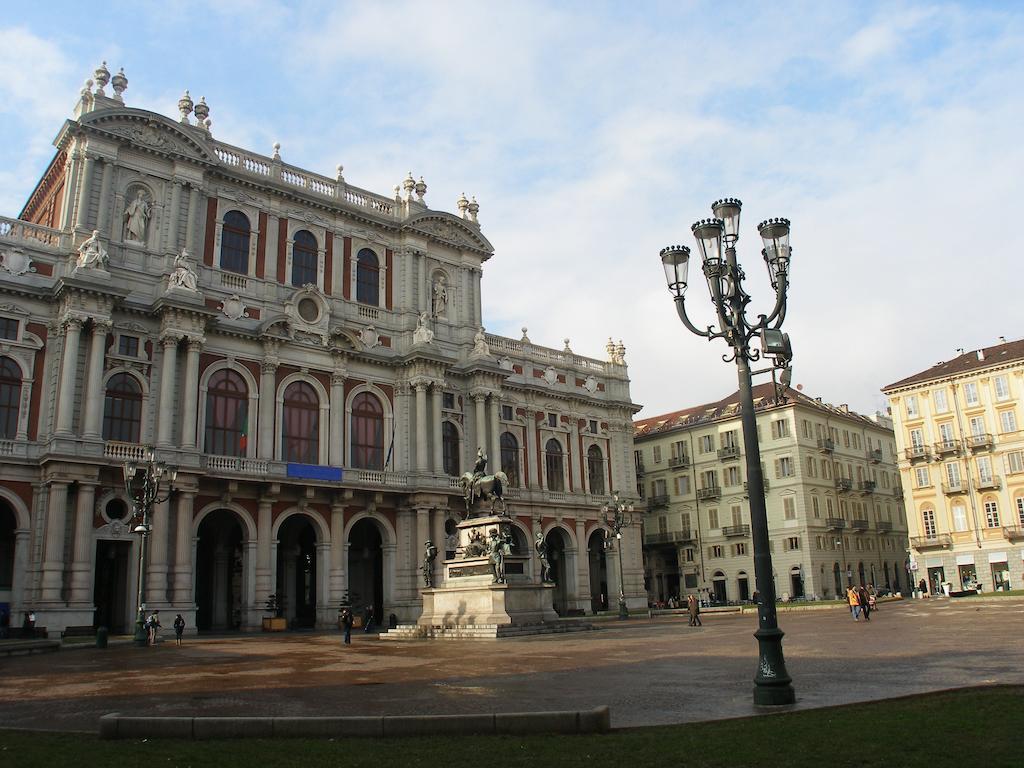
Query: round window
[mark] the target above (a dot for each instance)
(116, 510)
(309, 310)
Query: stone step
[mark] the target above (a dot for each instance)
(481, 631)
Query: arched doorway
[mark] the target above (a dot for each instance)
(885, 570)
(796, 580)
(219, 572)
(296, 570)
(837, 574)
(743, 585)
(558, 543)
(597, 558)
(718, 589)
(366, 568)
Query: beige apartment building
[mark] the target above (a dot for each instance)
(834, 500)
(958, 430)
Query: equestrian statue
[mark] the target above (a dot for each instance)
(479, 485)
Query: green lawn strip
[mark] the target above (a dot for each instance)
(977, 727)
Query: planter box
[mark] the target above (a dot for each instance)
(275, 623)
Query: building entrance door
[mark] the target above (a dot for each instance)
(1000, 577)
(936, 576)
(115, 609)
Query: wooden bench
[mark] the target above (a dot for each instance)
(83, 631)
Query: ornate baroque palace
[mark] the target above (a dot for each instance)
(310, 356)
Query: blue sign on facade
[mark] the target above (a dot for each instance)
(314, 472)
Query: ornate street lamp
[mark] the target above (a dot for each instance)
(142, 482)
(617, 516)
(724, 276)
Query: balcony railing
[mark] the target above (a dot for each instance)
(844, 484)
(918, 453)
(1014, 532)
(711, 492)
(670, 537)
(992, 483)
(729, 452)
(952, 488)
(660, 500)
(980, 442)
(883, 525)
(867, 486)
(939, 541)
(947, 446)
(736, 530)
(124, 451)
(835, 523)
(679, 462)
(859, 524)
(875, 455)
(826, 444)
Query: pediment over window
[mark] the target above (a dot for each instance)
(450, 230)
(151, 132)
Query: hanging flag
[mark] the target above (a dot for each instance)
(243, 441)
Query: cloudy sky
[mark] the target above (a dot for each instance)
(593, 134)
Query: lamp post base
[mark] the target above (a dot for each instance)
(773, 686)
(140, 637)
(623, 610)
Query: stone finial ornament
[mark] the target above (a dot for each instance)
(409, 184)
(340, 168)
(421, 189)
(119, 84)
(610, 349)
(462, 204)
(202, 112)
(474, 209)
(277, 151)
(101, 76)
(525, 339)
(185, 105)
(567, 348)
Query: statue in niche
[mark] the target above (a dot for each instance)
(183, 275)
(440, 296)
(91, 254)
(422, 334)
(136, 216)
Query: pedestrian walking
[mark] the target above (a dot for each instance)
(152, 625)
(346, 625)
(693, 606)
(854, 600)
(865, 606)
(179, 628)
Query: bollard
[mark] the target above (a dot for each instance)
(101, 637)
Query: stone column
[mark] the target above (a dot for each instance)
(264, 586)
(173, 215)
(183, 551)
(53, 547)
(103, 215)
(480, 426)
(189, 411)
(22, 542)
(94, 382)
(265, 447)
(190, 221)
(575, 452)
(421, 427)
(422, 536)
(531, 448)
(495, 433)
(438, 444)
(337, 419)
(68, 377)
(582, 565)
(168, 373)
(82, 213)
(405, 573)
(337, 572)
(81, 564)
(156, 564)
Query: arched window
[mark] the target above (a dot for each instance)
(553, 465)
(300, 433)
(227, 415)
(595, 469)
(928, 523)
(367, 432)
(122, 409)
(234, 242)
(368, 278)
(304, 258)
(450, 448)
(510, 458)
(10, 397)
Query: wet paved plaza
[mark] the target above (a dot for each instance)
(648, 671)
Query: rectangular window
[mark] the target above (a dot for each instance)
(977, 425)
(662, 525)
(830, 506)
(971, 393)
(916, 438)
(985, 469)
(716, 551)
(737, 514)
(806, 426)
(789, 508)
(448, 401)
(728, 439)
(679, 450)
(713, 518)
(707, 444)
(740, 549)
(553, 421)
(911, 405)
(593, 426)
(846, 438)
(1002, 387)
(784, 467)
(953, 474)
(689, 554)
(812, 467)
(923, 477)
(732, 476)
(928, 520)
(685, 522)
(991, 514)
(946, 433)
(815, 506)
(792, 542)
(959, 517)
(658, 487)
(128, 346)
(682, 485)
(780, 428)
(939, 398)
(1015, 462)
(657, 454)
(856, 441)
(8, 328)
(1020, 510)
(709, 479)
(506, 413)
(1008, 421)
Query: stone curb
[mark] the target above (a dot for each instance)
(117, 726)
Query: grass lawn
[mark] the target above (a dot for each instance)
(969, 727)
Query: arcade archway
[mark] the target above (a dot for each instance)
(219, 570)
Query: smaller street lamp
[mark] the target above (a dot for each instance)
(618, 515)
(142, 483)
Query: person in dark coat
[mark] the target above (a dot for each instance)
(346, 625)
(693, 606)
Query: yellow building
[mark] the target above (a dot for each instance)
(835, 506)
(958, 430)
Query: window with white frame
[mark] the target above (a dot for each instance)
(1020, 510)
(715, 551)
(713, 518)
(792, 542)
(917, 438)
(682, 485)
(911, 405)
(739, 549)
(707, 444)
(1015, 462)
(1007, 421)
(815, 506)
(959, 517)
(1002, 387)
(922, 477)
(789, 508)
(991, 513)
(732, 476)
(953, 473)
(784, 467)
(679, 449)
(812, 467)
(729, 439)
(946, 433)
(657, 454)
(780, 428)
(941, 403)
(737, 514)
(928, 523)
(971, 393)
(977, 426)
(985, 469)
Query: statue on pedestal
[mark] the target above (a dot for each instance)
(91, 254)
(429, 555)
(499, 544)
(136, 215)
(542, 553)
(440, 296)
(422, 334)
(478, 485)
(183, 275)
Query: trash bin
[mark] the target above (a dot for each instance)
(101, 637)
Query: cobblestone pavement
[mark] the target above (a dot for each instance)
(649, 671)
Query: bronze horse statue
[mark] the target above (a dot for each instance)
(488, 488)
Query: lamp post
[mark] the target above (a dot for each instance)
(724, 276)
(617, 516)
(142, 482)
